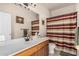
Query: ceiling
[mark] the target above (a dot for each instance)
(54, 6)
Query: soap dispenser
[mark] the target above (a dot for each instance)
(38, 34)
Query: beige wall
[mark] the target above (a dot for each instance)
(64, 10)
(77, 8)
(18, 11)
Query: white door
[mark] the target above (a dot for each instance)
(5, 25)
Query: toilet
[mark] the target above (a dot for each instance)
(51, 49)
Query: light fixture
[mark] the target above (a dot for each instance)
(26, 5)
(29, 4)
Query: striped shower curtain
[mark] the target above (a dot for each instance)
(61, 30)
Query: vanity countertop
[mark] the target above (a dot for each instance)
(15, 46)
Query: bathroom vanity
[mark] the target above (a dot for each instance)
(40, 49)
(20, 47)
